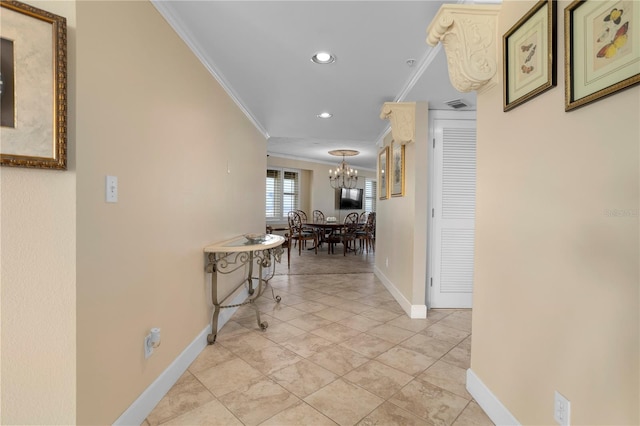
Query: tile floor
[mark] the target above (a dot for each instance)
(338, 350)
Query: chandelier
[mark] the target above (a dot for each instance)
(344, 176)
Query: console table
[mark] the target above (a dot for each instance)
(229, 256)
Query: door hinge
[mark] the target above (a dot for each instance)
(433, 212)
(431, 282)
(434, 142)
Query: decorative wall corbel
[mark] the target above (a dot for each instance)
(402, 116)
(468, 34)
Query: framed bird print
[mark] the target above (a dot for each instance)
(602, 49)
(529, 49)
(396, 175)
(383, 173)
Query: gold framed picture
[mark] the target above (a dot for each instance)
(383, 174)
(602, 49)
(33, 87)
(397, 170)
(529, 50)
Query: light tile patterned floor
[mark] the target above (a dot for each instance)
(338, 350)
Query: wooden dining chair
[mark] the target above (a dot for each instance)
(318, 217)
(349, 232)
(366, 234)
(363, 218)
(304, 219)
(303, 216)
(299, 234)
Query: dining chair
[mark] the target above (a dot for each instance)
(304, 219)
(290, 218)
(299, 234)
(363, 217)
(303, 216)
(318, 217)
(348, 235)
(366, 234)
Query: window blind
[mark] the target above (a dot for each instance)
(290, 192)
(370, 195)
(273, 206)
(282, 193)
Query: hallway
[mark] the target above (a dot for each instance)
(338, 350)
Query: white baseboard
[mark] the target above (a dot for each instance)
(418, 311)
(146, 402)
(414, 311)
(491, 405)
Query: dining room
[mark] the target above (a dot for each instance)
(303, 204)
(400, 237)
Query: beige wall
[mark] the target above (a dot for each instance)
(37, 264)
(556, 287)
(401, 222)
(316, 192)
(190, 169)
(556, 292)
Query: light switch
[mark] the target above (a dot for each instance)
(112, 189)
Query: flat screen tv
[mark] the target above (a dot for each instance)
(350, 199)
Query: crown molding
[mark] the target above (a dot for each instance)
(165, 10)
(468, 35)
(423, 65)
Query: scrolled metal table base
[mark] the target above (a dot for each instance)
(226, 263)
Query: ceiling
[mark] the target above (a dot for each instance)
(260, 51)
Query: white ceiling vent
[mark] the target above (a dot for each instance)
(456, 104)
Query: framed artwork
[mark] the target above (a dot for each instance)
(529, 55)
(33, 87)
(397, 169)
(602, 49)
(383, 172)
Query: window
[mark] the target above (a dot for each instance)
(282, 193)
(370, 195)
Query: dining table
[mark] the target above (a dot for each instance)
(329, 232)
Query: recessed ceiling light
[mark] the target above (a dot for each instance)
(323, 58)
(324, 115)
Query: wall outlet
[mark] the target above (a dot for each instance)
(111, 189)
(561, 410)
(148, 347)
(151, 342)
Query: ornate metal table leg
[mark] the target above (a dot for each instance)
(274, 254)
(262, 324)
(211, 337)
(250, 274)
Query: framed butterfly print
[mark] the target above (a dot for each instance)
(529, 55)
(602, 49)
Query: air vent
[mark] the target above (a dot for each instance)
(456, 104)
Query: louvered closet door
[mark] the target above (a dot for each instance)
(454, 200)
